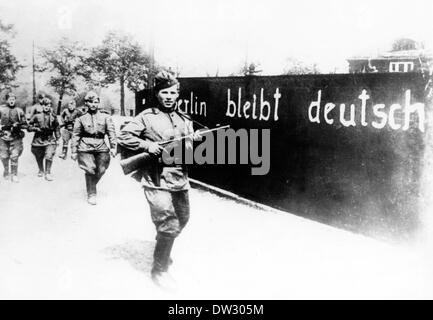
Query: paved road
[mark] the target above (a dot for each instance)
(53, 245)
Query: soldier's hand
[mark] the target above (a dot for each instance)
(74, 156)
(155, 149)
(113, 152)
(197, 135)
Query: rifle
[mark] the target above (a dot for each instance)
(68, 125)
(44, 132)
(13, 130)
(132, 163)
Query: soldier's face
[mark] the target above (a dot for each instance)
(92, 105)
(167, 97)
(47, 108)
(71, 105)
(11, 101)
(41, 99)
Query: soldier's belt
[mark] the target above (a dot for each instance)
(92, 135)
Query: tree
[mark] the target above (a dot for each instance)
(120, 59)
(9, 64)
(65, 60)
(402, 44)
(295, 66)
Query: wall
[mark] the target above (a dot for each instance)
(356, 166)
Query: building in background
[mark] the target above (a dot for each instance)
(415, 60)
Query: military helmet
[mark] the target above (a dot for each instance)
(91, 96)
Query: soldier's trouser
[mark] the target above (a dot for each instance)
(66, 136)
(43, 152)
(94, 166)
(94, 163)
(11, 150)
(169, 211)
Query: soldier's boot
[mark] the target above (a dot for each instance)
(6, 173)
(48, 164)
(64, 153)
(91, 189)
(40, 162)
(161, 261)
(14, 173)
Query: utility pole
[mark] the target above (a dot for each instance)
(152, 61)
(33, 73)
(152, 21)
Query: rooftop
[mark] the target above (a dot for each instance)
(404, 54)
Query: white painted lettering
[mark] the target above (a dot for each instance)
(316, 105)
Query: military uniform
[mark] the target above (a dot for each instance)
(44, 144)
(165, 183)
(88, 143)
(68, 118)
(165, 186)
(11, 139)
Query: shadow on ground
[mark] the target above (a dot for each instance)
(138, 253)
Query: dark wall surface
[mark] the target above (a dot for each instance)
(362, 177)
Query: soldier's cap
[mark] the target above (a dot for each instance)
(164, 80)
(41, 95)
(46, 101)
(10, 94)
(91, 96)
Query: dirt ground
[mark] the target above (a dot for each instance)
(53, 245)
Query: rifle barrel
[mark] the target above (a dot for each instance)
(202, 132)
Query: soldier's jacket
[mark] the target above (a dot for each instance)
(155, 125)
(89, 133)
(11, 121)
(68, 118)
(46, 128)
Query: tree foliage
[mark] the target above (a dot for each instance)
(403, 44)
(65, 61)
(119, 59)
(295, 66)
(9, 64)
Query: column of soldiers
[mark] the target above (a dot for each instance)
(165, 186)
(85, 128)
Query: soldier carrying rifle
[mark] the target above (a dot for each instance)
(12, 121)
(68, 117)
(88, 143)
(47, 133)
(165, 186)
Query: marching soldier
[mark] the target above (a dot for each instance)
(36, 108)
(165, 186)
(47, 133)
(12, 121)
(68, 117)
(88, 144)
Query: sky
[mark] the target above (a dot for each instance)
(206, 37)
